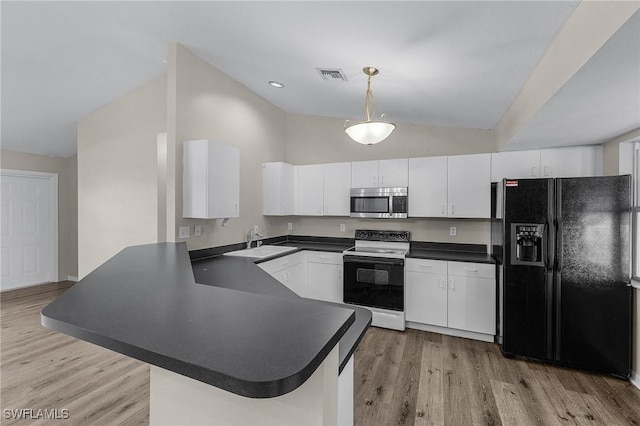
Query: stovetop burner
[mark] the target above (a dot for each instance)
(391, 244)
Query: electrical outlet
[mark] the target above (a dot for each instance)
(184, 232)
(290, 226)
(453, 231)
(197, 231)
(342, 228)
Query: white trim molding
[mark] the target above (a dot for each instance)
(635, 379)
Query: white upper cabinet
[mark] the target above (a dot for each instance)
(309, 190)
(428, 187)
(364, 174)
(469, 186)
(210, 180)
(278, 189)
(393, 173)
(515, 165)
(383, 173)
(576, 161)
(337, 186)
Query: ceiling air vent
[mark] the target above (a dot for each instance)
(332, 74)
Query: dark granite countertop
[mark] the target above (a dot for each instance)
(240, 273)
(476, 253)
(259, 342)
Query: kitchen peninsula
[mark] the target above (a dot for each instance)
(220, 354)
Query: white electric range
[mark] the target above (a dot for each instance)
(374, 275)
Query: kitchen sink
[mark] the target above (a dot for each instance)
(261, 252)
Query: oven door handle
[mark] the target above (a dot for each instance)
(373, 260)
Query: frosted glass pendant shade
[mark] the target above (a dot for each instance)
(370, 132)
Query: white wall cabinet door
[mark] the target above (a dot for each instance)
(337, 186)
(296, 279)
(469, 186)
(289, 270)
(472, 304)
(309, 190)
(278, 196)
(515, 165)
(324, 276)
(576, 161)
(428, 187)
(364, 174)
(324, 282)
(393, 173)
(472, 297)
(210, 180)
(426, 298)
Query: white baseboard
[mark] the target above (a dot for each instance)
(635, 379)
(452, 332)
(72, 278)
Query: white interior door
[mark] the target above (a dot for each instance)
(29, 229)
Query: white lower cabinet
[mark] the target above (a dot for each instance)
(324, 276)
(290, 270)
(426, 291)
(457, 295)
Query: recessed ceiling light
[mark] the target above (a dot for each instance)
(276, 84)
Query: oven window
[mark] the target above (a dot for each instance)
(370, 204)
(372, 276)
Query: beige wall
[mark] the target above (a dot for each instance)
(313, 140)
(117, 174)
(211, 105)
(67, 171)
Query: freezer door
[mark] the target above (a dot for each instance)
(593, 295)
(527, 306)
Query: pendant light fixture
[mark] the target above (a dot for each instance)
(369, 132)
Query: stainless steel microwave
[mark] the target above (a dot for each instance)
(382, 203)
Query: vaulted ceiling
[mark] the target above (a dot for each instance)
(442, 63)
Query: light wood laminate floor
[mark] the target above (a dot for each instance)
(43, 369)
(412, 378)
(420, 378)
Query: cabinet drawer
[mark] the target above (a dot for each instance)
(426, 265)
(466, 269)
(275, 265)
(324, 257)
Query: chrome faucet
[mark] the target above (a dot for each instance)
(253, 234)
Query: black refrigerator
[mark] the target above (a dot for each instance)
(564, 251)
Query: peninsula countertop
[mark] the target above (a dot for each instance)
(145, 303)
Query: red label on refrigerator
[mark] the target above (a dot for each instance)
(511, 183)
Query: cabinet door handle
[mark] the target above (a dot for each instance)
(326, 209)
(284, 207)
(534, 173)
(382, 180)
(469, 270)
(235, 207)
(442, 209)
(425, 266)
(452, 284)
(441, 282)
(546, 170)
(452, 209)
(374, 181)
